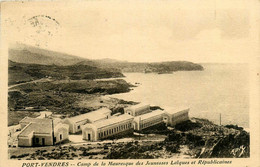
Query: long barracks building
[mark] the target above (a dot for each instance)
(97, 125)
(137, 118)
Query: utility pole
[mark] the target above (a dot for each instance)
(220, 119)
(139, 129)
(52, 132)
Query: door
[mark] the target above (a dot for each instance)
(43, 141)
(89, 136)
(36, 141)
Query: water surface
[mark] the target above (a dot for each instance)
(219, 89)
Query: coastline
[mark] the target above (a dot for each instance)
(196, 138)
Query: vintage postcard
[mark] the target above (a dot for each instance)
(130, 83)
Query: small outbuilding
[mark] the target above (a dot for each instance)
(138, 109)
(148, 119)
(107, 128)
(42, 132)
(76, 122)
(174, 116)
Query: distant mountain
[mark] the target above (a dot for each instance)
(108, 61)
(158, 67)
(33, 55)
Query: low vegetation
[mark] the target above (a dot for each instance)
(20, 72)
(203, 139)
(65, 97)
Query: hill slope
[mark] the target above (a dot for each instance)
(21, 72)
(34, 55)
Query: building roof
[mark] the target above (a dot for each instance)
(93, 116)
(149, 115)
(40, 120)
(175, 110)
(112, 120)
(29, 119)
(37, 125)
(140, 105)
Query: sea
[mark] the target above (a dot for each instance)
(219, 93)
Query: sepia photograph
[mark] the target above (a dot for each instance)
(136, 80)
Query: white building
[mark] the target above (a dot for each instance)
(148, 119)
(174, 116)
(42, 132)
(107, 128)
(76, 122)
(138, 109)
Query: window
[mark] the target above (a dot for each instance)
(105, 134)
(79, 127)
(37, 140)
(60, 136)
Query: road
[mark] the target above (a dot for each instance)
(34, 81)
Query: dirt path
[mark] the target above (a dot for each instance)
(34, 81)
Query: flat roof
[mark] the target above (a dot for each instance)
(93, 115)
(149, 115)
(174, 110)
(138, 106)
(113, 120)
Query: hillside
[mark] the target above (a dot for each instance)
(33, 55)
(158, 67)
(20, 72)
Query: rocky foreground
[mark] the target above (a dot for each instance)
(200, 137)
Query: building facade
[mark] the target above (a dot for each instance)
(138, 109)
(147, 120)
(76, 122)
(174, 116)
(107, 128)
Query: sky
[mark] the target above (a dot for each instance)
(138, 31)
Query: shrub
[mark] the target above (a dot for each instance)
(41, 158)
(13, 156)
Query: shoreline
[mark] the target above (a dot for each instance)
(196, 138)
(97, 100)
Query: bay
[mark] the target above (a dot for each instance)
(219, 89)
